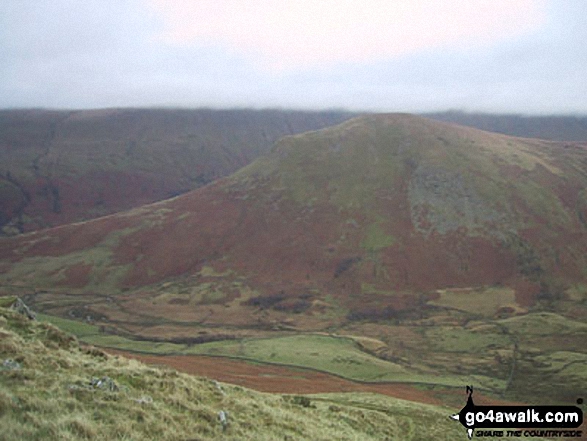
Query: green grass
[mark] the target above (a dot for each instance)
(51, 397)
(340, 356)
(480, 353)
(456, 339)
(376, 239)
(334, 355)
(485, 300)
(572, 363)
(150, 347)
(77, 328)
(91, 334)
(543, 323)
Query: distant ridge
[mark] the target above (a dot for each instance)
(555, 128)
(58, 167)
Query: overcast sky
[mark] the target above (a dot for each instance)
(522, 56)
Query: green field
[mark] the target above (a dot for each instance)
(53, 394)
(339, 356)
(505, 357)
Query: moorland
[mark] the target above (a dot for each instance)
(385, 251)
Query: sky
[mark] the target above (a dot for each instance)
(506, 56)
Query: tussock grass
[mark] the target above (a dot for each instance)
(50, 396)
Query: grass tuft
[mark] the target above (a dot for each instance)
(54, 395)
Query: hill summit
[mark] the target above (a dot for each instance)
(64, 166)
(375, 214)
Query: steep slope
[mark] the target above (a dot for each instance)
(53, 388)
(366, 219)
(59, 167)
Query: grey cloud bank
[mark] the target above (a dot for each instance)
(71, 54)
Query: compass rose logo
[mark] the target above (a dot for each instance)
(461, 416)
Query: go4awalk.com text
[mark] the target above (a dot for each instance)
(520, 421)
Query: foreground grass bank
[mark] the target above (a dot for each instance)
(53, 388)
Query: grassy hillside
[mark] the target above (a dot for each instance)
(59, 167)
(383, 205)
(53, 388)
(440, 244)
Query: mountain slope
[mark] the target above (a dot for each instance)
(389, 247)
(376, 214)
(64, 166)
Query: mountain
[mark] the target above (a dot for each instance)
(378, 212)
(64, 166)
(555, 128)
(386, 248)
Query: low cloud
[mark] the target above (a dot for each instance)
(491, 55)
(293, 34)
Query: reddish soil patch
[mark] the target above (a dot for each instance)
(77, 276)
(285, 380)
(526, 292)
